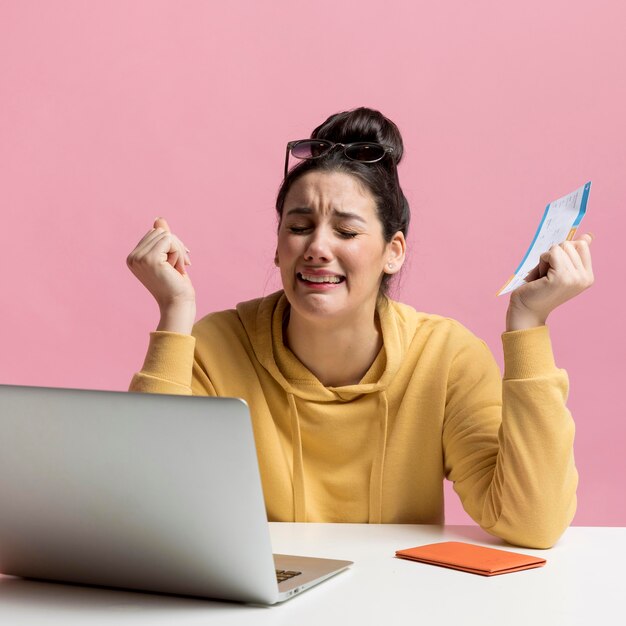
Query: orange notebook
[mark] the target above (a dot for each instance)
(470, 558)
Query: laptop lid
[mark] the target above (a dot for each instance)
(140, 491)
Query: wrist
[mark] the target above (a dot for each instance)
(178, 318)
(517, 319)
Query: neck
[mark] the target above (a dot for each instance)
(339, 353)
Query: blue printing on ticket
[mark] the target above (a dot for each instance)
(583, 205)
(532, 243)
(579, 217)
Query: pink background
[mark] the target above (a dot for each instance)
(116, 112)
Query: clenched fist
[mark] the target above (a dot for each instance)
(159, 261)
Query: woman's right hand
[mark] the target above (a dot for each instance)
(159, 261)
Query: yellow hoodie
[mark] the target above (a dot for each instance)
(432, 405)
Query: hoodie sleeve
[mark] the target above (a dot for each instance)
(170, 367)
(508, 442)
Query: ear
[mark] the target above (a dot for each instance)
(395, 253)
(276, 263)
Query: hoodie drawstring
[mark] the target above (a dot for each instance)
(378, 463)
(376, 477)
(299, 501)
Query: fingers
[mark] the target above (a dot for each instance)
(176, 255)
(154, 240)
(555, 258)
(533, 274)
(148, 237)
(182, 254)
(145, 246)
(544, 264)
(582, 247)
(580, 255)
(160, 222)
(566, 255)
(161, 242)
(577, 252)
(571, 250)
(569, 261)
(177, 258)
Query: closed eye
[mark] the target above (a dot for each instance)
(344, 234)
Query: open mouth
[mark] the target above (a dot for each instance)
(334, 279)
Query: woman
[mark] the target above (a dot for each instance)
(362, 405)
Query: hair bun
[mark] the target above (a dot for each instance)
(361, 124)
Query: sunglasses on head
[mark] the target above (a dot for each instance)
(363, 151)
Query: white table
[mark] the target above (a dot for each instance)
(582, 583)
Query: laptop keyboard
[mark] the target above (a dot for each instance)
(282, 575)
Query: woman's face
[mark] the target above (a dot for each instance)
(331, 251)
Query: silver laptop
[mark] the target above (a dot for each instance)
(139, 491)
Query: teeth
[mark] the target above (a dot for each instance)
(321, 279)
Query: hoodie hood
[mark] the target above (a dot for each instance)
(263, 322)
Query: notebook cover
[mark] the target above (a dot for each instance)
(471, 558)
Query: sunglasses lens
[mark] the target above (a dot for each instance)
(310, 149)
(365, 152)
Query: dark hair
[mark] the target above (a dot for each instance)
(381, 178)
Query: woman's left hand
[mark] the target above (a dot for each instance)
(563, 272)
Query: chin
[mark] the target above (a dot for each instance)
(318, 305)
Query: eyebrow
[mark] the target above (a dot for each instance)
(342, 214)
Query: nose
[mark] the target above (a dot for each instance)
(319, 248)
